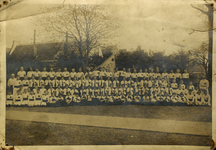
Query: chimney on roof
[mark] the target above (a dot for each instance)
(34, 46)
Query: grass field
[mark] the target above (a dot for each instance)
(181, 113)
(38, 133)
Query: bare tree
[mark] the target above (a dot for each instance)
(209, 13)
(200, 57)
(86, 26)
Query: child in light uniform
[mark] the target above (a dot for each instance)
(190, 98)
(30, 73)
(68, 98)
(69, 82)
(165, 74)
(55, 82)
(178, 76)
(40, 82)
(52, 99)
(122, 74)
(73, 73)
(58, 74)
(198, 97)
(17, 85)
(124, 82)
(38, 99)
(171, 76)
(128, 74)
(137, 98)
(103, 74)
(185, 77)
(66, 90)
(150, 83)
(134, 75)
(157, 73)
(79, 74)
(11, 83)
(65, 74)
(45, 99)
(130, 82)
(140, 75)
(182, 85)
(37, 74)
(190, 86)
(31, 99)
(52, 91)
(25, 95)
(174, 98)
(44, 74)
(21, 73)
(174, 85)
(115, 83)
(87, 82)
(43, 90)
(48, 82)
(151, 74)
(62, 82)
(51, 73)
(10, 99)
(25, 82)
(146, 74)
(204, 84)
(33, 82)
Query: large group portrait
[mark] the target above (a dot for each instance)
(109, 73)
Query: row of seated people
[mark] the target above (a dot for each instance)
(190, 96)
(123, 73)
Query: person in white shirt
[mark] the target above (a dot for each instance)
(122, 74)
(40, 82)
(157, 73)
(171, 76)
(124, 82)
(178, 76)
(206, 99)
(182, 85)
(146, 74)
(73, 73)
(185, 77)
(190, 98)
(55, 82)
(165, 74)
(79, 74)
(31, 99)
(10, 98)
(174, 85)
(25, 82)
(37, 74)
(53, 91)
(140, 75)
(58, 91)
(66, 90)
(21, 73)
(134, 75)
(103, 73)
(101, 82)
(11, 83)
(17, 85)
(65, 74)
(44, 74)
(58, 74)
(128, 74)
(45, 99)
(38, 98)
(190, 86)
(115, 83)
(48, 82)
(30, 73)
(43, 90)
(96, 74)
(204, 84)
(18, 98)
(151, 74)
(51, 73)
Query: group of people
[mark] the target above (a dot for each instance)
(44, 88)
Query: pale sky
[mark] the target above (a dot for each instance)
(156, 25)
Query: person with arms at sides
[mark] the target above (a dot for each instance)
(52, 99)
(178, 76)
(185, 77)
(58, 74)
(163, 84)
(58, 91)
(51, 91)
(31, 99)
(62, 82)
(18, 98)
(10, 98)
(21, 73)
(87, 82)
(109, 82)
(82, 93)
(182, 85)
(178, 93)
(170, 90)
(94, 82)
(38, 98)
(171, 76)
(77, 83)
(140, 75)
(146, 74)
(151, 74)
(101, 91)
(166, 97)
(109, 90)
(48, 82)
(130, 82)
(206, 99)
(40, 82)
(130, 90)
(160, 97)
(44, 74)
(137, 98)
(115, 83)
(204, 84)
(25, 95)
(88, 72)
(88, 96)
(79, 74)
(17, 85)
(65, 74)
(190, 98)
(92, 93)
(129, 97)
(37, 74)
(45, 98)
(30, 73)
(136, 84)
(96, 73)
(142, 82)
(150, 83)
(43, 90)
(51, 73)
(134, 75)
(190, 87)
(73, 73)
(124, 82)
(116, 73)
(101, 82)
(11, 83)
(25, 82)
(165, 74)
(103, 73)
(55, 82)
(122, 74)
(35, 89)
(157, 73)
(128, 74)
(66, 90)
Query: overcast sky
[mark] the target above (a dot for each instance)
(156, 25)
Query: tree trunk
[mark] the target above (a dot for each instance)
(210, 34)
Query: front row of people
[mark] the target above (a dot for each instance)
(121, 94)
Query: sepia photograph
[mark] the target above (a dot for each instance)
(110, 73)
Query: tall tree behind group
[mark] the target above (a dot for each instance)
(87, 27)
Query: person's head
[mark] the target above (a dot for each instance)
(12, 76)
(185, 71)
(65, 69)
(164, 70)
(134, 71)
(36, 69)
(157, 69)
(171, 71)
(44, 69)
(21, 68)
(124, 69)
(73, 70)
(140, 70)
(38, 91)
(80, 69)
(18, 77)
(129, 70)
(146, 70)
(51, 69)
(190, 83)
(178, 71)
(31, 69)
